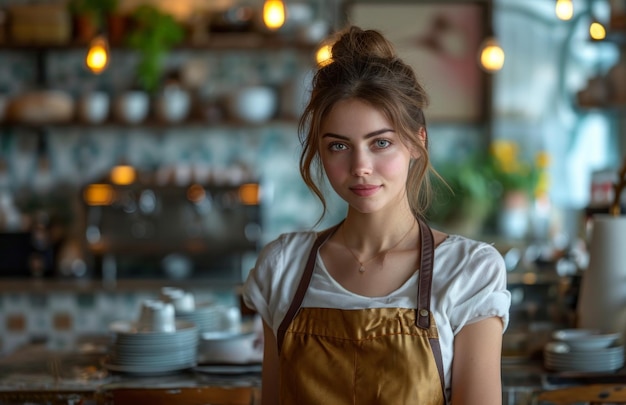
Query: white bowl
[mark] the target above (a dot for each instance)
(254, 104)
(228, 347)
(585, 339)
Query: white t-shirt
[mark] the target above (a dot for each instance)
(469, 284)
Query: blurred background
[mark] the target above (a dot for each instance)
(149, 142)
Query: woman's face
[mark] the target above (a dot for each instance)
(363, 157)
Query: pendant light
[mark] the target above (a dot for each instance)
(564, 9)
(323, 55)
(491, 55)
(597, 32)
(97, 58)
(273, 14)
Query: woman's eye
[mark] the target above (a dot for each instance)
(336, 146)
(382, 143)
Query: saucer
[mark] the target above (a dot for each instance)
(132, 328)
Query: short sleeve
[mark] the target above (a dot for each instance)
(271, 284)
(257, 288)
(479, 289)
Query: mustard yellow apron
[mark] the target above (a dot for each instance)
(365, 356)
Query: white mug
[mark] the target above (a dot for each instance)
(157, 316)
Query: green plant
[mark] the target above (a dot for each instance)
(464, 190)
(153, 33)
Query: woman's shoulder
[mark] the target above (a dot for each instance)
(458, 245)
(460, 257)
(289, 240)
(285, 249)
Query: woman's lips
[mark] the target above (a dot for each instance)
(364, 190)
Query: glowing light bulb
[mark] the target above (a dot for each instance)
(597, 31)
(564, 9)
(273, 14)
(323, 55)
(491, 55)
(98, 55)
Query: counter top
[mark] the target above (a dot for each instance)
(34, 373)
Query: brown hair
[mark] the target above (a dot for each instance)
(365, 66)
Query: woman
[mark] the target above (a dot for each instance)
(379, 309)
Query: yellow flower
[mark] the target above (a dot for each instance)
(542, 160)
(504, 151)
(513, 173)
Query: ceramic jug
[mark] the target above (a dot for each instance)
(602, 299)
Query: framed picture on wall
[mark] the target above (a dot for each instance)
(441, 40)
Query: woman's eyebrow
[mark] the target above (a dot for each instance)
(369, 135)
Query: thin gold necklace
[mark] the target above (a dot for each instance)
(383, 252)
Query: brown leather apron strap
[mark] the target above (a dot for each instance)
(425, 276)
(424, 287)
(304, 284)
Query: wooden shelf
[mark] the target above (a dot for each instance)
(217, 41)
(148, 124)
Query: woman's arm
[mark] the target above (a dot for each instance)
(269, 379)
(476, 377)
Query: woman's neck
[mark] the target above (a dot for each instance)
(379, 231)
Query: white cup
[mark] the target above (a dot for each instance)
(183, 301)
(168, 292)
(93, 107)
(231, 319)
(157, 316)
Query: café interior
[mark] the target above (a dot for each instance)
(149, 150)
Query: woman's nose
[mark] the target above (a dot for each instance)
(361, 163)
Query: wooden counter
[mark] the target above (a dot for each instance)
(35, 374)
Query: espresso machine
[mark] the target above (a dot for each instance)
(176, 232)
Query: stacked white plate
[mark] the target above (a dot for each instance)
(139, 352)
(584, 350)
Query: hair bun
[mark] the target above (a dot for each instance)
(356, 43)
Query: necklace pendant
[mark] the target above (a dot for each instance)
(361, 269)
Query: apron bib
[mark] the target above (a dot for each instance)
(365, 356)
